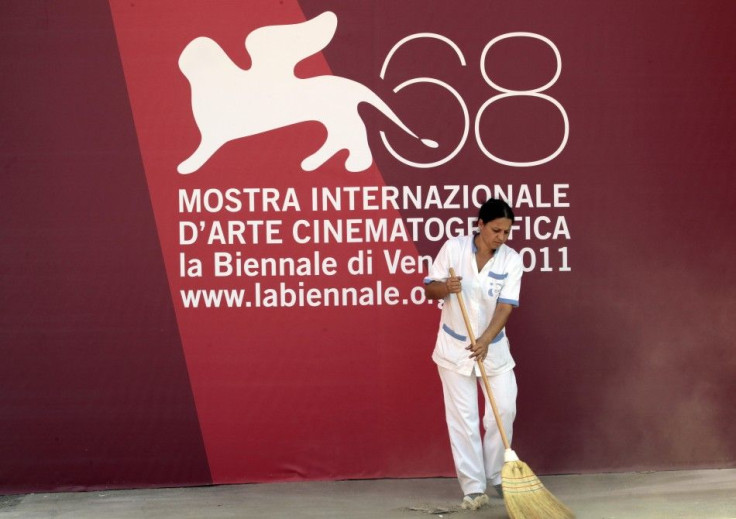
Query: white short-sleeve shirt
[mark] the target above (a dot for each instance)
(499, 281)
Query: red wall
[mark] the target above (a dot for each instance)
(622, 338)
(94, 388)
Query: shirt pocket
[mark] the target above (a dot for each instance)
(453, 343)
(454, 334)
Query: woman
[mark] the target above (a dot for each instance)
(489, 277)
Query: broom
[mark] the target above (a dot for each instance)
(524, 494)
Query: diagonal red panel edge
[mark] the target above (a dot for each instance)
(281, 393)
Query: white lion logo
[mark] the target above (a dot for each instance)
(229, 103)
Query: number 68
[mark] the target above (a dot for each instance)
(505, 92)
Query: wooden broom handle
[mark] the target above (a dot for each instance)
(482, 368)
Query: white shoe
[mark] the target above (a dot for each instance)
(474, 501)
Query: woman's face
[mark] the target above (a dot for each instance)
(496, 232)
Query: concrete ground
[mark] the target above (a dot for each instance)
(692, 494)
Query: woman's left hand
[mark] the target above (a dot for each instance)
(479, 351)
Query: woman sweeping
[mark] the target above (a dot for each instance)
(488, 273)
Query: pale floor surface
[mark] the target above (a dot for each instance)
(692, 494)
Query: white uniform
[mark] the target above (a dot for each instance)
(499, 281)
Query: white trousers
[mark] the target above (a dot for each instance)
(477, 459)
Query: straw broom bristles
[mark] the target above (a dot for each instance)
(524, 494)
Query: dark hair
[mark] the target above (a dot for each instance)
(495, 208)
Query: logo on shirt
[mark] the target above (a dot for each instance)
(496, 284)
